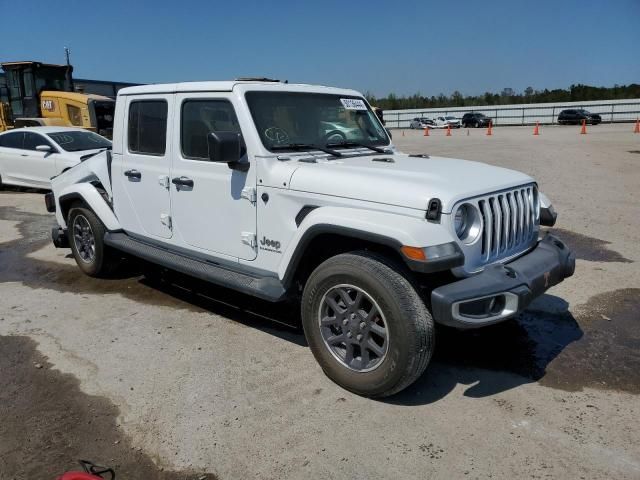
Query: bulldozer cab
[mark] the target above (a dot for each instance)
(42, 94)
(26, 80)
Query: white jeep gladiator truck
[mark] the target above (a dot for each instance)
(286, 191)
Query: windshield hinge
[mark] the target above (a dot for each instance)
(249, 193)
(249, 238)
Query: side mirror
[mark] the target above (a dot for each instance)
(227, 147)
(44, 148)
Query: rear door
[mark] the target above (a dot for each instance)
(38, 167)
(218, 212)
(11, 157)
(143, 205)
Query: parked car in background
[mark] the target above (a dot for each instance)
(475, 120)
(29, 157)
(421, 123)
(576, 117)
(443, 122)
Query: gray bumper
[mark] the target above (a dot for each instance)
(502, 291)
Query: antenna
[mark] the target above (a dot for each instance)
(69, 78)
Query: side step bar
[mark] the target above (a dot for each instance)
(267, 288)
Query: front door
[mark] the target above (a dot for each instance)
(143, 204)
(38, 167)
(215, 210)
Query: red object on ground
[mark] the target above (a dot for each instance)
(637, 129)
(536, 130)
(448, 130)
(489, 132)
(583, 130)
(78, 476)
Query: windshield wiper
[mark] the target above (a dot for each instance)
(89, 155)
(305, 146)
(357, 144)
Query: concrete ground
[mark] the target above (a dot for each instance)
(163, 381)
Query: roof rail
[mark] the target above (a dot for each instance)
(258, 79)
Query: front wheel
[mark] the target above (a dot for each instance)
(86, 238)
(366, 324)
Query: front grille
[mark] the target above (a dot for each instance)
(510, 221)
(510, 226)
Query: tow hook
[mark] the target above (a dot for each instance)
(59, 237)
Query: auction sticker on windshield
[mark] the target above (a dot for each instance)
(353, 104)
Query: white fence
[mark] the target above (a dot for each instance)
(523, 114)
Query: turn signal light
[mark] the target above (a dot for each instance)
(413, 253)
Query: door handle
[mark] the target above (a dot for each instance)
(132, 174)
(182, 181)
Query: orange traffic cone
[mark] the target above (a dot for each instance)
(637, 129)
(490, 128)
(448, 130)
(426, 131)
(583, 130)
(536, 130)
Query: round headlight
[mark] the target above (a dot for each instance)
(460, 220)
(467, 222)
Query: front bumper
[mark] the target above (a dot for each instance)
(502, 291)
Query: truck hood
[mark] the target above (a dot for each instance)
(403, 180)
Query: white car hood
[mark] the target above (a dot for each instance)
(80, 153)
(406, 182)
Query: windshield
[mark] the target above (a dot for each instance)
(450, 118)
(310, 119)
(76, 141)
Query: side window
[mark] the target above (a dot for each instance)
(147, 130)
(32, 140)
(75, 115)
(12, 140)
(201, 117)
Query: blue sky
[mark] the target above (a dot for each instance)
(376, 46)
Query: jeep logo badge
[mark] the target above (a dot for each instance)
(270, 245)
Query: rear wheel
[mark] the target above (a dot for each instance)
(86, 238)
(366, 324)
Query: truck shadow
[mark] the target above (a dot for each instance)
(490, 360)
(497, 358)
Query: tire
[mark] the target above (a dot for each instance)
(403, 352)
(86, 238)
(476, 125)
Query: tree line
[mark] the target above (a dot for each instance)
(508, 96)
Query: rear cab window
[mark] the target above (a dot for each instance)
(147, 127)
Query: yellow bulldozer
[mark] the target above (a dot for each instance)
(38, 93)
